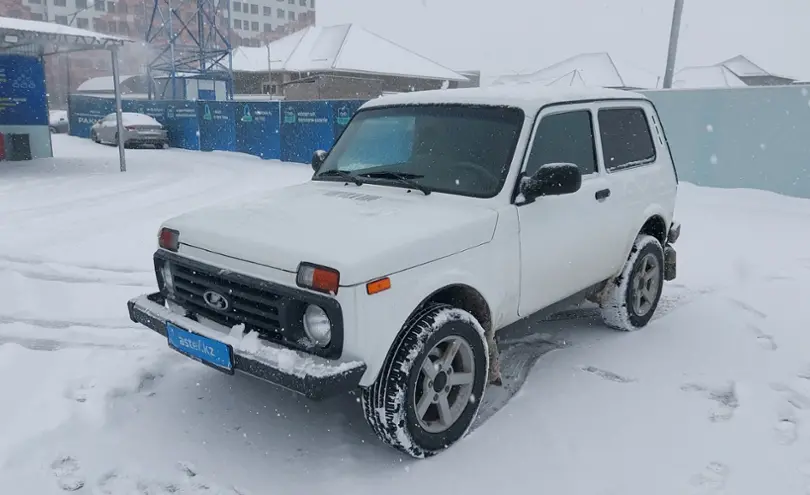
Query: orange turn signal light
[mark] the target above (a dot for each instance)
(378, 286)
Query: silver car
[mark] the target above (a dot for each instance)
(139, 130)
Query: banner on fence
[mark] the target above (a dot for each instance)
(182, 124)
(257, 129)
(217, 126)
(342, 113)
(306, 126)
(86, 111)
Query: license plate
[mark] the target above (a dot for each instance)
(203, 349)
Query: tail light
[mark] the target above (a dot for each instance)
(169, 239)
(318, 278)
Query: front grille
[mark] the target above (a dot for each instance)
(274, 311)
(256, 309)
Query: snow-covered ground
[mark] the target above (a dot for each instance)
(713, 397)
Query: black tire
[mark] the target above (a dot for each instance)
(94, 136)
(389, 405)
(619, 305)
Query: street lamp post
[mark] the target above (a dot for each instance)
(674, 33)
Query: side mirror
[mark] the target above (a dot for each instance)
(552, 179)
(317, 159)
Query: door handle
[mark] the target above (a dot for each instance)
(602, 194)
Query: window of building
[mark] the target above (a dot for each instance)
(312, 4)
(122, 8)
(110, 6)
(626, 138)
(60, 3)
(254, 9)
(61, 19)
(237, 24)
(268, 11)
(254, 26)
(237, 6)
(82, 23)
(35, 2)
(99, 5)
(291, 15)
(280, 13)
(36, 17)
(302, 3)
(113, 26)
(564, 138)
(268, 27)
(140, 10)
(81, 4)
(123, 27)
(291, 2)
(98, 25)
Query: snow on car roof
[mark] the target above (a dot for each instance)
(529, 97)
(137, 118)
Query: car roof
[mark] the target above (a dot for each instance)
(528, 97)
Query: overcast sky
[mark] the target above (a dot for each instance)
(508, 36)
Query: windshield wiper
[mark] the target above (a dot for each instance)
(402, 178)
(341, 173)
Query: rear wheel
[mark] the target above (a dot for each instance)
(629, 301)
(94, 136)
(430, 388)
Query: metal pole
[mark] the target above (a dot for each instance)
(118, 112)
(67, 91)
(675, 31)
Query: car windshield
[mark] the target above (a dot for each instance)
(455, 149)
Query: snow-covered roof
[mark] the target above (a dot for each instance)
(342, 48)
(713, 76)
(104, 83)
(41, 27)
(743, 67)
(529, 97)
(588, 69)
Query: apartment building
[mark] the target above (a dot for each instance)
(253, 22)
(257, 22)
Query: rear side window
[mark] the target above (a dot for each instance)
(564, 138)
(626, 138)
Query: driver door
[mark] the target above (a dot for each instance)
(559, 235)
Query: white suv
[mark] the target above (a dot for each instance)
(437, 219)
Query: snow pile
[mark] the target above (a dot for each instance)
(712, 397)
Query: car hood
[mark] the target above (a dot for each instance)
(364, 232)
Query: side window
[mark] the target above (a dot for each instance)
(564, 138)
(626, 138)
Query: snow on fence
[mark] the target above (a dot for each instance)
(754, 137)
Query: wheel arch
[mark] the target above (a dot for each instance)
(461, 296)
(655, 226)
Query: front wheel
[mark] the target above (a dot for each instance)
(629, 300)
(430, 388)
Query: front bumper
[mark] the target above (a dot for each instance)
(312, 376)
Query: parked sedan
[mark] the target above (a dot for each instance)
(139, 130)
(58, 121)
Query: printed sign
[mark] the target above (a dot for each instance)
(257, 129)
(217, 125)
(23, 100)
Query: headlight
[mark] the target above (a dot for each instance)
(168, 279)
(317, 325)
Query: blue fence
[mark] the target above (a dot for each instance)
(289, 131)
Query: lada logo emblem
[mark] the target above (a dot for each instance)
(216, 300)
